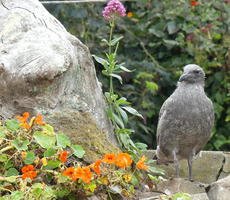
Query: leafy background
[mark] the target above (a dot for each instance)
(159, 39)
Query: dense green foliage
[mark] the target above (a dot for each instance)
(159, 39)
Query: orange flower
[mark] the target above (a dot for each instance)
(38, 120)
(141, 165)
(109, 158)
(96, 167)
(25, 125)
(23, 119)
(87, 174)
(129, 14)
(194, 3)
(69, 172)
(63, 156)
(30, 174)
(83, 173)
(27, 168)
(123, 160)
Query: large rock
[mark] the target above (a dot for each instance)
(44, 69)
(220, 190)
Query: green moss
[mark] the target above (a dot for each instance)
(83, 130)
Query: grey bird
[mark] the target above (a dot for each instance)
(185, 120)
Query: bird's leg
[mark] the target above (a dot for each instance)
(176, 163)
(190, 167)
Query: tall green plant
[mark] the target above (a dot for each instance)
(118, 107)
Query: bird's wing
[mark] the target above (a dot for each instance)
(167, 106)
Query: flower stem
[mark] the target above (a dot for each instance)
(6, 149)
(112, 24)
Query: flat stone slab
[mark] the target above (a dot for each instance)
(208, 166)
(180, 185)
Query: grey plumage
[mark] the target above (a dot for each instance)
(185, 120)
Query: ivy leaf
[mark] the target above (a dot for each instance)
(3, 157)
(20, 144)
(49, 152)
(45, 141)
(52, 164)
(48, 130)
(132, 111)
(172, 27)
(62, 140)
(78, 151)
(12, 124)
(30, 157)
(12, 172)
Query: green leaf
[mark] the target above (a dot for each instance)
(151, 86)
(102, 61)
(2, 135)
(156, 32)
(62, 193)
(156, 170)
(132, 111)
(52, 164)
(78, 150)
(12, 124)
(49, 152)
(181, 196)
(115, 41)
(20, 144)
(172, 27)
(12, 172)
(105, 41)
(62, 140)
(124, 69)
(124, 131)
(3, 157)
(171, 43)
(30, 157)
(118, 120)
(17, 195)
(48, 130)
(123, 114)
(141, 146)
(122, 100)
(116, 76)
(11, 179)
(45, 141)
(8, 164)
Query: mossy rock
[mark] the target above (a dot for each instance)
(82, 130)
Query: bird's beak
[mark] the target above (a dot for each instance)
(183, 77)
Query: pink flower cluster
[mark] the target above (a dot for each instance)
(114, 8)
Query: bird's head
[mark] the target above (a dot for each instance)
(192, 74)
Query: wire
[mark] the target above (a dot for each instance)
(76, 1)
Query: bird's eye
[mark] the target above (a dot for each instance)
(196, 71)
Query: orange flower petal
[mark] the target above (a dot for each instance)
(27, 168)
(30, 174)
(26, 115)
(123, 160)
(38, 120)
(141, 165)
(109, 158)
(63, 156)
